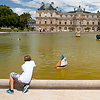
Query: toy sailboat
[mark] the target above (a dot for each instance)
(62, 62)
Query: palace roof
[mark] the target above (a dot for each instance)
(79, 10)
(47, 7)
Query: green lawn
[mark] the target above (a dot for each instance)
(7, 30)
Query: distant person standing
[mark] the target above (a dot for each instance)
(25, 78)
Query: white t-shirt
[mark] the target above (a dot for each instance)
(27, 69)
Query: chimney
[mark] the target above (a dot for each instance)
(74, 9)
(57, 8)
(60, 11)
(52, 3)
(42, 3)
(84, 9)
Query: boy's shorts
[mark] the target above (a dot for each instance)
(14, 75)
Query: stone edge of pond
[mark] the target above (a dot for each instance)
(40, 32)
(56, 84)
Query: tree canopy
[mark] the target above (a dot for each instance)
(7, 16)
(24, 18)
(71, 28)
(87, 28)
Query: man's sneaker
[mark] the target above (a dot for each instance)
(10, 91)
(25, 89)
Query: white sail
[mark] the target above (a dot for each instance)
(64, 62)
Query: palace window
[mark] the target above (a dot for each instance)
(39, 15)
(45, 21)
(93, 28)
(65, 22)
(59, 22)
(45, 28)
(59, 28)
(87, 16)
(98, 23)
(51, 14)
(92, 23)
(71, 16)
(45, 15)
(65, 28)
(39, 21)
(70, 22)
(51, 22)
(61, 16)
(92, 16)
(79, 22)
(87, 23)
(97, 16)
(65, 16)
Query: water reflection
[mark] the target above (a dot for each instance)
(62, 73)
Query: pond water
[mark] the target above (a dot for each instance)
(82, 53)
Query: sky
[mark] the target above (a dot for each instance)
(20, 6)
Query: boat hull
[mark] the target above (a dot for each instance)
(61, 67)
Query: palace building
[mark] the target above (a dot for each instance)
(49, 18)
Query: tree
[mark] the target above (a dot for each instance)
(87, 28)
(20, 24)
(12, 27)
(52, 28)
(71, 28)
(33, 28)
(7, 16)
(25, 17)
(19, 28)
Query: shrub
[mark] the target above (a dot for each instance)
(19, 28)
(32, 29)
(52, 28)
(12, 27)
(87, 28)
